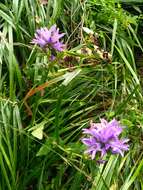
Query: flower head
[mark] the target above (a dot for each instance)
(104, 137)
(49, 38)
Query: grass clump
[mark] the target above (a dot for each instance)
(45, 103)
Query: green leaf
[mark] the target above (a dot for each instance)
(70, 76)
(37, 130)
(38, 133)
(44, 150)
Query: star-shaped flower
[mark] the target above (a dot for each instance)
(45, 37)
(104, 137)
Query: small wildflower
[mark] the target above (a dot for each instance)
(52, 58)
(49, 38)
(104, 137)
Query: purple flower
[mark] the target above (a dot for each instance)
(52, 58)
(49, 38)
(104, 138)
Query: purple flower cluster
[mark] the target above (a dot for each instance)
(104, 137)
(49, 38)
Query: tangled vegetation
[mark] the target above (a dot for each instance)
(53, 84)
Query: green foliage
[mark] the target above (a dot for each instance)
(43, 151)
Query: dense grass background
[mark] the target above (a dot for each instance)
(40, 132)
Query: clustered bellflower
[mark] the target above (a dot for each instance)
(45, 37)
(104, 137)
